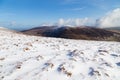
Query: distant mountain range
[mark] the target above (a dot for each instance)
(86, 33)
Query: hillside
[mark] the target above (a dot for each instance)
(24, 57)
(87, 33)
(114, 29)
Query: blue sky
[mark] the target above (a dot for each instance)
(36, 12)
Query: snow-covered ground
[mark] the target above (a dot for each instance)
(25, 57)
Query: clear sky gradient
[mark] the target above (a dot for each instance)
(35, 12)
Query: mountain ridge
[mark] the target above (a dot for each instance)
(114, 29)
(87, 33)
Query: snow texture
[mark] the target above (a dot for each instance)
(24, 57)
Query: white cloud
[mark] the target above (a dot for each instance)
(112, 19)
(46, 24)
(61, 22)
(75, 22)
(78, 9)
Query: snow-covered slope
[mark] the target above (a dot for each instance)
(8, 30)
(25, 57)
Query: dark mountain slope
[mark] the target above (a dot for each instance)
(87, 33)
(38, 31)
(114, 29)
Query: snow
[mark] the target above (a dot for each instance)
(24, 57)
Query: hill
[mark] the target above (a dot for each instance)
(114, 29)
(86, 33)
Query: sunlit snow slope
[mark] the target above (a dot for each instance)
(25, 57)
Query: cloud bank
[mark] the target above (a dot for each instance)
(111, 19)
(75, 22)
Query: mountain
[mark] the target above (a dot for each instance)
(114, 29)
(39, 31)
(87, 33)
(24, 57)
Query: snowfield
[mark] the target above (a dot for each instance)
(24, 57)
